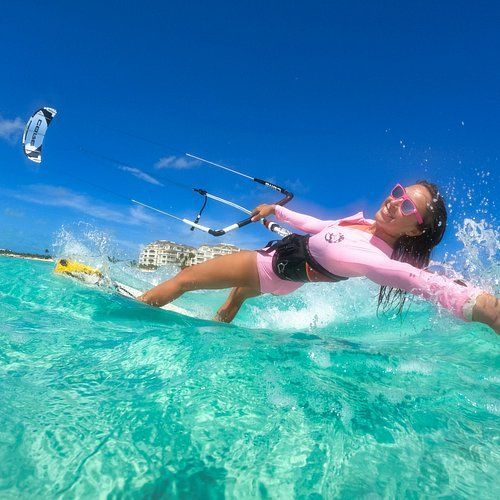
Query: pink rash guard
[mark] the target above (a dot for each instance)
(349, 252)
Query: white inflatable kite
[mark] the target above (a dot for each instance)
(34, 133)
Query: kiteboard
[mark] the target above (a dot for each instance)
(92, 276)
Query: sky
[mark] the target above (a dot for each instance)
(338, 101)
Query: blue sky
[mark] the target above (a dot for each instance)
(337, 100)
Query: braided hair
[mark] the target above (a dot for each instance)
(416, 250)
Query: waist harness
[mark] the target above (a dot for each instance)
(293, 261)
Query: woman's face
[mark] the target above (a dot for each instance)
(391, 220)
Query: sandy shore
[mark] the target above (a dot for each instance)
(13, 255)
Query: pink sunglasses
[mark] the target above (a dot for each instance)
(407, 207)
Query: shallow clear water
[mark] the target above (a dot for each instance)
(309, 395)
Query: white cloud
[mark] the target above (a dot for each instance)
(10, 212)
(141, 215)
(141, 175)
(11, 130)
(57, 196)
(175, 162)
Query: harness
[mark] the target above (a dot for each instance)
(292, 261)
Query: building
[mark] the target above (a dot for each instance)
(161, 253)
(206, 252)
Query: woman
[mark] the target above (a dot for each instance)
(391, 250)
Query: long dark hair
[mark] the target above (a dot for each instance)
(416, 250)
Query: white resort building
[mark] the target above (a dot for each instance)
(206, 252)
(161, 253)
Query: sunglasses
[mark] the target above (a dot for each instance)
(407, 206)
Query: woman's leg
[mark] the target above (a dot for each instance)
(234, 301)
(227, 271)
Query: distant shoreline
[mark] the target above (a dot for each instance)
(26, 257)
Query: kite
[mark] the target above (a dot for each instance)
(34, 133)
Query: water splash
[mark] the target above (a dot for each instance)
(472, 196)
(315, 306)
(82, 241)
(478, 260)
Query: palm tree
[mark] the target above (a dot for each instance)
(185, 259)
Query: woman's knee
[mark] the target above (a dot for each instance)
(185, 279)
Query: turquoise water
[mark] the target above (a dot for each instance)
(309, 395)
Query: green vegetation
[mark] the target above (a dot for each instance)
(148, 267)
(46, 256)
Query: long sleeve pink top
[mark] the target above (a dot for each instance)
(351, 252)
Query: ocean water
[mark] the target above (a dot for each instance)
(307, 396)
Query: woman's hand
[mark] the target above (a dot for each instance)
(262, 211)
(487, 310)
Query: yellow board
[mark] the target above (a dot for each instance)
(67, 266)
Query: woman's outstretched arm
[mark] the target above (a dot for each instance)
(465, 301)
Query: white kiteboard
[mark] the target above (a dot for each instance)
(92, 276)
